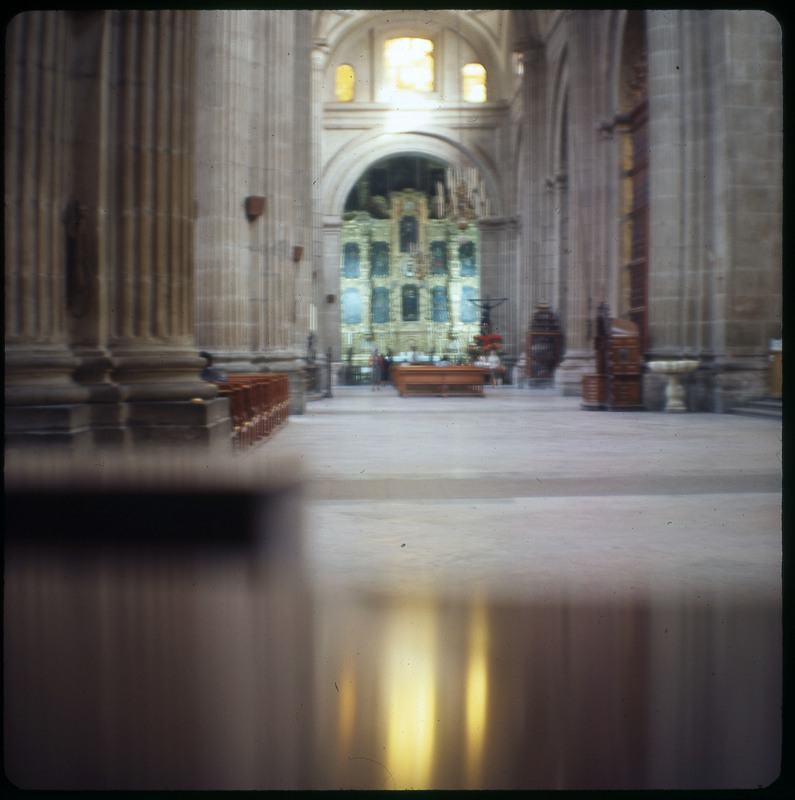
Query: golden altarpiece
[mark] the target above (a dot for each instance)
(406, 281)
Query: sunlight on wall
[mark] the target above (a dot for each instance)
(410, 695)
(400, 121)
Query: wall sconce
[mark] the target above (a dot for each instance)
(298, 253)
(255, 206)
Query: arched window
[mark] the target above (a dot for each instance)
(473, 82)
(409, 64)
(344, 83)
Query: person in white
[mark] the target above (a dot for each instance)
(494, 366)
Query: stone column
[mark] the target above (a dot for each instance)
(330, 310)
(589, 270)
(535, 268)
(150, 230)
(715, 243)
(254, 141)
(319, 55)
(43, 402)
(229, 225)
(286, 157)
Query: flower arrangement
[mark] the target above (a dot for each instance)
(484, 344)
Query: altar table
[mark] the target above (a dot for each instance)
(442, 381)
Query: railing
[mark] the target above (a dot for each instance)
(259, 404)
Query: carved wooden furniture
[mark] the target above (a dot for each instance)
(258, 405)
(543, 345)
(617, 383)
(442, 381)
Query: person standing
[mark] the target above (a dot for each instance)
(495, 367)
(385, 367)
(210, 372)
(375, 369)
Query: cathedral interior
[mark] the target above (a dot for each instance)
(244, 553)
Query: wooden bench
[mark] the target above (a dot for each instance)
(258, 405)
(440, 381)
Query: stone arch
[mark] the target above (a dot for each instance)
(480, 30)
(347, 165)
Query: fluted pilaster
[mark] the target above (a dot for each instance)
(535, 272)
(588, 271)
(324, 309)
(40, 395)
(228, 114)
(588, 185)
(150, 232)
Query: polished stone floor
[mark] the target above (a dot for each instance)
(512, 592)
(523, 492)
(506, 592)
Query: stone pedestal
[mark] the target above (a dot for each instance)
(674, 391)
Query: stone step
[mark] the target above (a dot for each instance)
(770, 407)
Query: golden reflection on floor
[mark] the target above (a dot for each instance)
(477, 694)
(409, 677)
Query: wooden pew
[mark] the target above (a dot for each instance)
(441, 381)
(242, 427)
(258, 404)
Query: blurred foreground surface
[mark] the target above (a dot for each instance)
(163, 630)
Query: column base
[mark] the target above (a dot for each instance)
(197, 422)
(44, 427)
(568, 375)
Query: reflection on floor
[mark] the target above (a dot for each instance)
(422, 692)
(251, 637)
